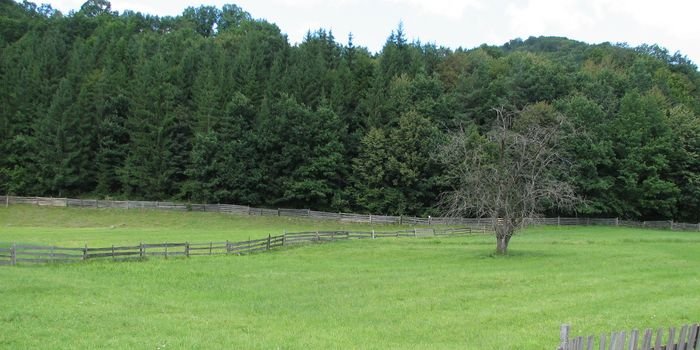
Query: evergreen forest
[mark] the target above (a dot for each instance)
(215, 105)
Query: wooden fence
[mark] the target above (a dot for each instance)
(26, 253)
(341, 217)
(684, 339)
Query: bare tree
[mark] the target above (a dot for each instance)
(510, 174)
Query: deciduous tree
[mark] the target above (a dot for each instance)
(508, 175)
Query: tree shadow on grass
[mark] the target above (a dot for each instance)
(516, 254)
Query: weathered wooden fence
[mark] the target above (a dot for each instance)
(341, 217)
(26, 253)
(684, 339)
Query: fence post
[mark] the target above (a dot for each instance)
(671, 224)
(278, 212)
(142, 250)
(85, 252)
(166, 249)
(112, 251)
(228, 247)
(187, 249)
(7, 200)
(430, 220)
(415, 232)
(372, 233)
(617, 221)
(268, 242)
(400, 219)
(210, 246)
(13, 254)
(370, 218)
(563, 336)
(558, 220)
(284, 237)
(318, 238)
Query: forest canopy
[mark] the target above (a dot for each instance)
(214, 105)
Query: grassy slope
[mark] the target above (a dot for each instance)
(75, 227)
(389, 293)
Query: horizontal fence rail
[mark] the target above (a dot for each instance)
(684, 338)
(341, 217)
(25, 253)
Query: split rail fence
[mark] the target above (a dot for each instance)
(26, 253)
(684, 339)
(341, 217)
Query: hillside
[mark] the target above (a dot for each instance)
(216, 106)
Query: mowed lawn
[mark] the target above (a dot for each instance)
(369, 294)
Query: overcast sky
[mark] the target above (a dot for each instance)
(467, 23)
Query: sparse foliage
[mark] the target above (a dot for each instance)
(509, 174)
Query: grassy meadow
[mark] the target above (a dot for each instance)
(430, 293)
(74, 227)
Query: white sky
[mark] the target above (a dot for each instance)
(672, 24)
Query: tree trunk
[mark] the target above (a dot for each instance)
(502, 244)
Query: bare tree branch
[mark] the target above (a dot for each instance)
(509, 174)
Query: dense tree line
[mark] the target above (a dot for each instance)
(216, 106)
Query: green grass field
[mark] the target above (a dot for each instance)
(74, 227)
(369, 294)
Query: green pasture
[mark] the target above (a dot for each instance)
(74, 227)
(446, 293)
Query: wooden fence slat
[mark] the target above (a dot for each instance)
(613, 343)
(564, 335)
(646, 343)
(682, 338)
(693, 342)
(671, 338)
(659, 337)
(619, 341)
(622, 340)
(633, 340)
(115, 254)
(21, 254)
(591, 340)
(109, 249)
